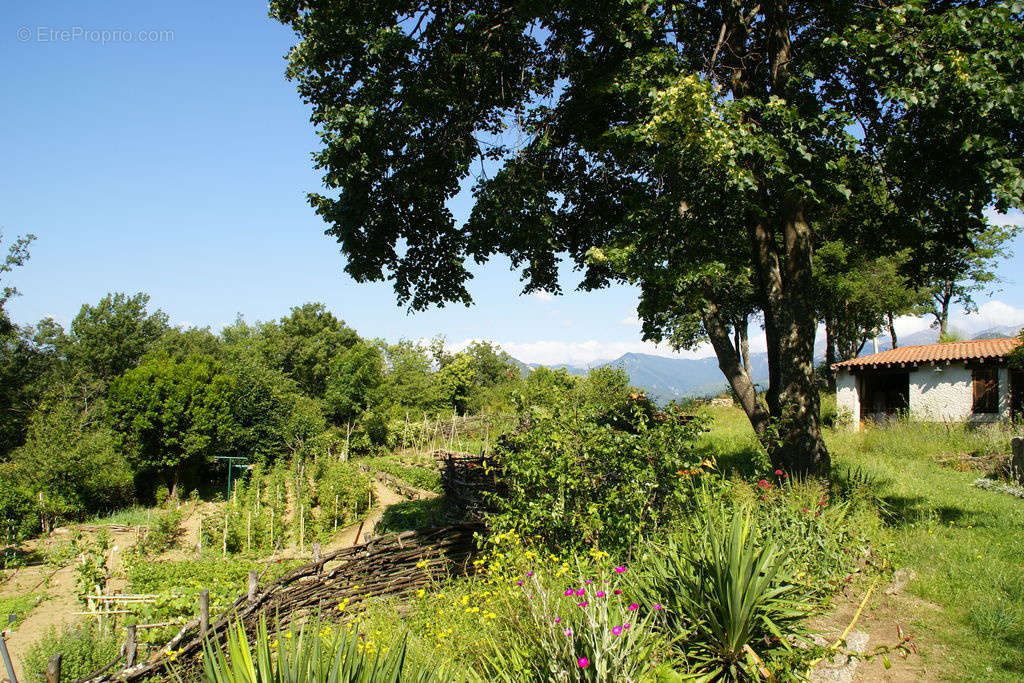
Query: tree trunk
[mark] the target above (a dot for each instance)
(175, 479)
(892, 330)
(794, 443)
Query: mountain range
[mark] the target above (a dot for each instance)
(665, 379)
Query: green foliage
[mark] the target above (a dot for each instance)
(163, 531)
(428, 479)
(1016, 359)
(605, 474)
(179, 582)
(85, 649)
(111, 337)
(68, 467)
(171, 414)
(313, 653)
(294, 503)
(736, 600)
(91, 567)
(354, 385)
(17, 254)
(20, 606)
(303, 344)
(412, 515)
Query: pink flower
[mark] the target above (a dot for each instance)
(582, 604)
(583, 662)
(580, 591)
(657, 606)
(822, 502)
(804, 510)
(633, 607)
(620, 569)
(567, 632)
(519, 582)
(558, 620)
(779, 473)
(763, 483)
(589, 581)
(600, 594)
(618, 592)
(625, 626)
(617, 630)
(528, 574)
(568, 592)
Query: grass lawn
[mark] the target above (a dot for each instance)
(966, 544)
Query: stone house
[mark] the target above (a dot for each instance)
(956, 381)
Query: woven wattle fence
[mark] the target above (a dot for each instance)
(390, 565)
(467, 479)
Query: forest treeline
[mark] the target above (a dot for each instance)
(103, 413)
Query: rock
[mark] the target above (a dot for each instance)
(841, 668)
(900, 579)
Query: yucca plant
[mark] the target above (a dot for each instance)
(314, 653)
(740, 598)
(731, 601)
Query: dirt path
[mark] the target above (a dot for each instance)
(886, 619)
(59, 586)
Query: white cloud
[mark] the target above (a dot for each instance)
(542, 296)
(631, 321)
(990, 314)
(1012, 218)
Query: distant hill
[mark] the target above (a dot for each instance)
(665, 379)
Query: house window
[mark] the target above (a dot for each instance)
(986, 390)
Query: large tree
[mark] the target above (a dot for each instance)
(696, 149)
(114, 335)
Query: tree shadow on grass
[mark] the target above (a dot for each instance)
(745, 461)
(900, 511)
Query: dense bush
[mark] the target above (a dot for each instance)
(581, 473)
(68, 468)
(85, 649)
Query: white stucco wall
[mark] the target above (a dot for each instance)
(946, 393)
(848, 398)
(937, 393)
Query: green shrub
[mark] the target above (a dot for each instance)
(576, 476)
(84, 648)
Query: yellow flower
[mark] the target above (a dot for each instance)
(421, 564)
(420, 593)
(342, 605)
(288, 635)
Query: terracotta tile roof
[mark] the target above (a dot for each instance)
(978, 349)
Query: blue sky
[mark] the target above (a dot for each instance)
(177, 163)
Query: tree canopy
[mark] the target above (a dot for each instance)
(699, 150)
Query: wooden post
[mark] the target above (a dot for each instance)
(131, 646)
(204, 612)
(224, 540)
(248, 532)
(316, 552)
(253, 585)
(1017, 460)
(271, 528)
(6, 656)
(53, 668)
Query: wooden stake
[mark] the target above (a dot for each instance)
(253, 585)
(224, 540)
(53, 668)
(204, 612)
(131, 646)
(248, 533)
